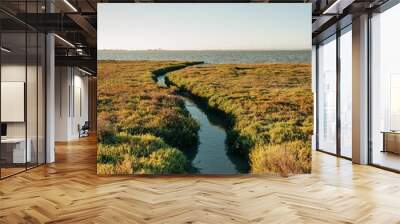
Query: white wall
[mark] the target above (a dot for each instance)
(70, 83)
(33, 126)
(12, 73)
(62, 82)
(79, 117)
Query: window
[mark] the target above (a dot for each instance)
(385, 89)
(327, 95)
(346, 92)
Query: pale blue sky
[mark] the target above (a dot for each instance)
(255, 26)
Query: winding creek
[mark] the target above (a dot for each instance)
(211, 155)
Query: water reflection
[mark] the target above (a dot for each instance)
(211, 156)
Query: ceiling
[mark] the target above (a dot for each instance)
(75, 21)
(332, 15)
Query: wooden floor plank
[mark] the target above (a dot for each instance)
(69, 191)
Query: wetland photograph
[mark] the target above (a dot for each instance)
(204, 89)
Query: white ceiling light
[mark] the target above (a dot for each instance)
(64, 40)
(70, 5)
(79, 51)
(5, 50)
(86, 72)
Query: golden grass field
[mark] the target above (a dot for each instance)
(143, 128)
(270, 106)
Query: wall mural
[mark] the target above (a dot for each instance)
(204, 89)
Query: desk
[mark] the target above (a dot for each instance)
(391, 141)
(13, 150)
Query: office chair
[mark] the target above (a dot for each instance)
(84, 130)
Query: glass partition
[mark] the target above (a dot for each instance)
(327, 95)
(14, 153)
(22, 89)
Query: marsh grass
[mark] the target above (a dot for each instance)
(141, 126)
(271, 106)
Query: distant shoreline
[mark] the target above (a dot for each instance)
(150, 50)
(210, 56)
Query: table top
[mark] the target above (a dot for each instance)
(13, 140)
(391, 132)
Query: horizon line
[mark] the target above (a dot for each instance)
(205, 49)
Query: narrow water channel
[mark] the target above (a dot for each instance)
(211, 155)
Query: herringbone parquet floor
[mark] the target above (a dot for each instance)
(69, 191)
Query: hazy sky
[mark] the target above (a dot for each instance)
(204, 26)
